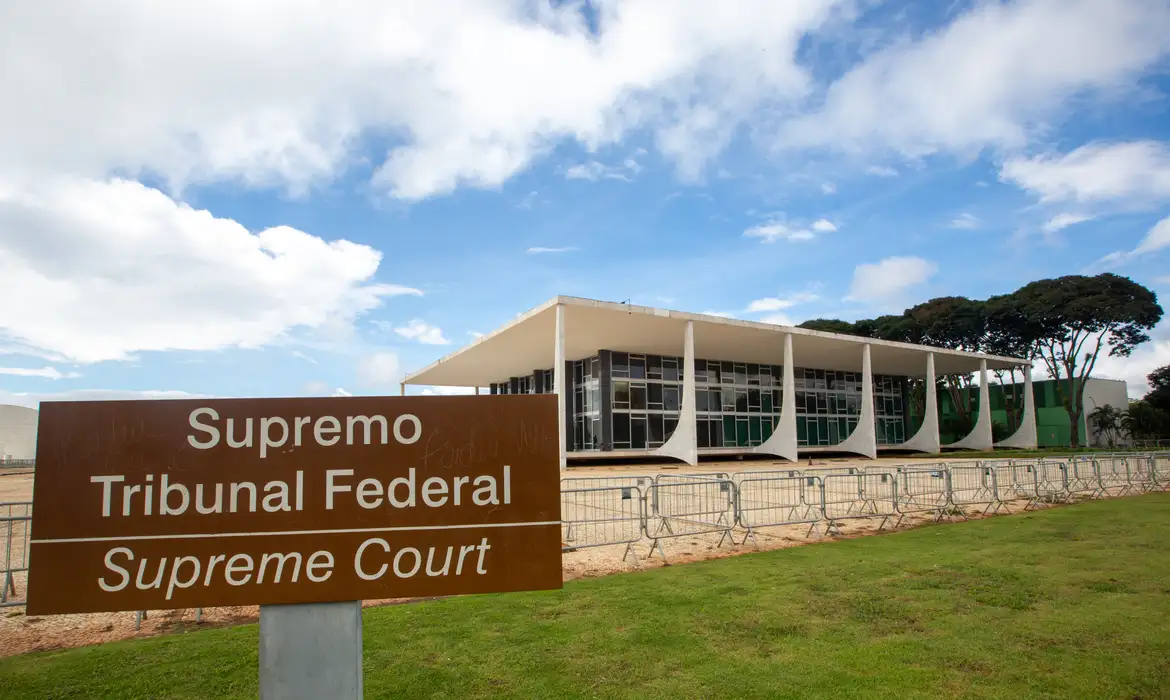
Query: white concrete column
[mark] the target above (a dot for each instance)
(683, 444)
(927, 439)
(560, 385)
(1025, 437)
(863, 439)
(477, 391)
(782, 442)
(980, 437)
(402, 388)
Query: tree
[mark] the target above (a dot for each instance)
(828, 325)
(1011, 334)
(1159, 394)
(1076, 317)
(1142, 421)
(1106, 422)
(956, 323)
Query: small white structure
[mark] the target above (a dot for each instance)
(18, 433)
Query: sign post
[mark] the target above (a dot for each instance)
(301, 506)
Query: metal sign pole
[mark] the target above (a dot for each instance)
(311, 651)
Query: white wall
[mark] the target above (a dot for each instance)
(18, 433)
(1103, 392)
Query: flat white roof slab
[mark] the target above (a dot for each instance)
(527, 344)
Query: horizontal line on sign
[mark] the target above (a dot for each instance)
(343, 531)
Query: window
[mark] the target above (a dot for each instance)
(766, 398)
(700, 371)
(728, 400)
(703, 435)
(715, 427)
(729, 431)
(670, 398)
(657, 436)
(714, 373)
(620, 365)
(753, 400)
(621, 430)
(669, 425)
(638, 397)
(754, 430)
(741, 401)
(621, 395)
(638, 431)
(740, 373)
(637, 367)
(701, 400)
(741, 432)
(655, 396)
(753, 374)
(670, 369)
(727, 373)
(654, 367)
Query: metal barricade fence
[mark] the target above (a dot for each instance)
(608, 515)
(1139, 470)
(1014, 482)
(775, 501)
(1051, 483)
(1160, 470)
(973, 485)
(15, 525)
(683, 507)
(792, 473)
(602, 481)
(1082, 478)
(859, 495)
(1113, 476)
(923, 489)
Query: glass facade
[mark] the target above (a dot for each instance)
(623, 401)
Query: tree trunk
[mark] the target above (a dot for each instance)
(1074, 429)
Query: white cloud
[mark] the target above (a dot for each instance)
(1163, 280)
(285, 98)
(777, 319)
(965, 221)
(1145, 359)
(43, 373)
(318, 388)
(423, 332)
(594, 170)
(828, 188)
(1097, 172)
(379, 370)
(992, 77)
(475, 334)
(887, 281)
(720, 314)
(1063, 221)
(106, 269)
(881, 171)
(537, 250)
(448, 391)
(1156, 239)
(33, 399)
(778, 303)
(773, 231)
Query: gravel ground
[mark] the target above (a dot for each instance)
(20, 634)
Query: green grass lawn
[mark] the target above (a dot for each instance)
(1071, 602)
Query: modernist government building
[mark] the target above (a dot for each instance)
(645, 381)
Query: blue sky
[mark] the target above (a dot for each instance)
(318, 204)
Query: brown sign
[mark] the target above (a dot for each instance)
(147, 505)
